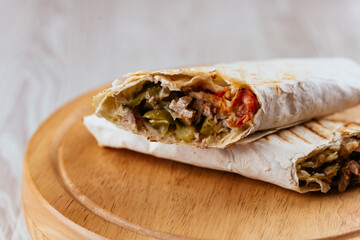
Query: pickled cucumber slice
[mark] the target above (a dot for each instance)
(136, 100)
(161, 125)
(185, 133)
(146, 94)
(208, 127)
(159, 114)
(154, 90)
(160, 119)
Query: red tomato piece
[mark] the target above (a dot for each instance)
(220, 94)
(244, 105)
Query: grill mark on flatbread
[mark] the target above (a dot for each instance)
(352, 123)
(349, 128)
(288, 77)
(298, 136)
(322, 125)
(279, 135)
(314, 131)
(267, 82)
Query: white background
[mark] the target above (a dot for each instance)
(52, 51)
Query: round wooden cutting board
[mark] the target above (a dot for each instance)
(74, 189)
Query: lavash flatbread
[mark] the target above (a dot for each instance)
(288, 91)
(275, 158)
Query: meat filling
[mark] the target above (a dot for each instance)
(188, 115)
(332, 168)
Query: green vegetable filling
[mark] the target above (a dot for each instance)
(152, 105)
(185, 133)
(160, 119)
(329, 170)
(137, 100)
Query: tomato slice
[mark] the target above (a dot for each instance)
(243, 105)
(241, 108)
(220, 94)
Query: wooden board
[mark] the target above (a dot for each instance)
(73, 189)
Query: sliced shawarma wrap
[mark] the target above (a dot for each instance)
(314, 156)
(217, 106)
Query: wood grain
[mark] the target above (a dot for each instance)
(51, 51)
(73, 189)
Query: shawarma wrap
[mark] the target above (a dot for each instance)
(217, 106)
(314, 156)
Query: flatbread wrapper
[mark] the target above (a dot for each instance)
(220, 105)
(314, 156)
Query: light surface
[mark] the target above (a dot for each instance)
(52, 51)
